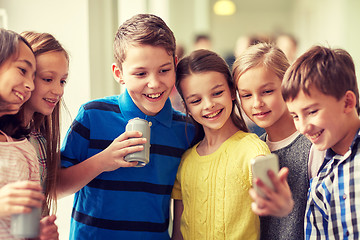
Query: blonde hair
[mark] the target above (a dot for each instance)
(261, 54)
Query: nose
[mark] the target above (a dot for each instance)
(153, 81)
(29, 84)
(208, 103)
(302, 126)
(258, 102)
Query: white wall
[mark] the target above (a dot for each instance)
(68, 21)
(332, 23)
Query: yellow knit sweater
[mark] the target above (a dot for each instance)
(215, 190)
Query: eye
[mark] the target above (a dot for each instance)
(23, 70)
(313, 112)
(295, 117)
(195, 101)
(140, 74)
(218, 93)
(268, 91)
(245, 95)
(47, 79)
(164, 70)
(63, 82)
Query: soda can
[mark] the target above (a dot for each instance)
(142, 157)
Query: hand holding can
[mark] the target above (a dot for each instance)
(143, 126)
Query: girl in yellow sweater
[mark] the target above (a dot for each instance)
(214, 176)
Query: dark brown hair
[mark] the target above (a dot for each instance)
(331, 71)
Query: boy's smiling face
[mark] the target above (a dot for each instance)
(321, 118)
(148, 73)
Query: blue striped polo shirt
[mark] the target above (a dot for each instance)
(128, 203)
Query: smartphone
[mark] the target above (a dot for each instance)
(260, 165)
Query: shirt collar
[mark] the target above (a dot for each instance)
(353, 148)
(130, 110)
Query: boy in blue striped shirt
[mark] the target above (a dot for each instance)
(321, 93)
(114, 199)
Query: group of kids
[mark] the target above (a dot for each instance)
(200, 159)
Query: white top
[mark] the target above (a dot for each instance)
(18, 162)
(283, 143)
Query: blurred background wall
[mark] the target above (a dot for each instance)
(86, 28)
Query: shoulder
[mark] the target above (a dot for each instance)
(300, 144)
(248, 142)
(189, 152)
(248, 138)
(110, 103)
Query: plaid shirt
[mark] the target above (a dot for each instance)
(334, 197)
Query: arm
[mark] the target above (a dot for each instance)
(278, 203)
(178, 210)
(73, 178)
(20, 197)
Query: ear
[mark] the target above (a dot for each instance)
(117, 73)
(350, 101)
(176, 60)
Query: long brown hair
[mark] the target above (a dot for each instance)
(48, 126)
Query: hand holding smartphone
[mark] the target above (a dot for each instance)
(260, 166)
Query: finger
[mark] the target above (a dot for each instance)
(30, 185)
(260, 202)
(264, 188)
(283, 174)
(259, 211)
(128, 164)
(127, 135)
(48, 220)
(26, 202)
(26, 195)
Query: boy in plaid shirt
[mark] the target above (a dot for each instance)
(321, 93)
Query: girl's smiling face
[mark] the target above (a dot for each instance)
(51, 75)
(17, 79)
(208, 98)
(260, 94)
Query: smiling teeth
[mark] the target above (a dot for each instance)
(19, 96)
(213, 115)
(49, 100)
(315, 135)
(154, 95)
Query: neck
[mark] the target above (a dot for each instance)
(282, 128)
(342, 146)
(215, 137)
